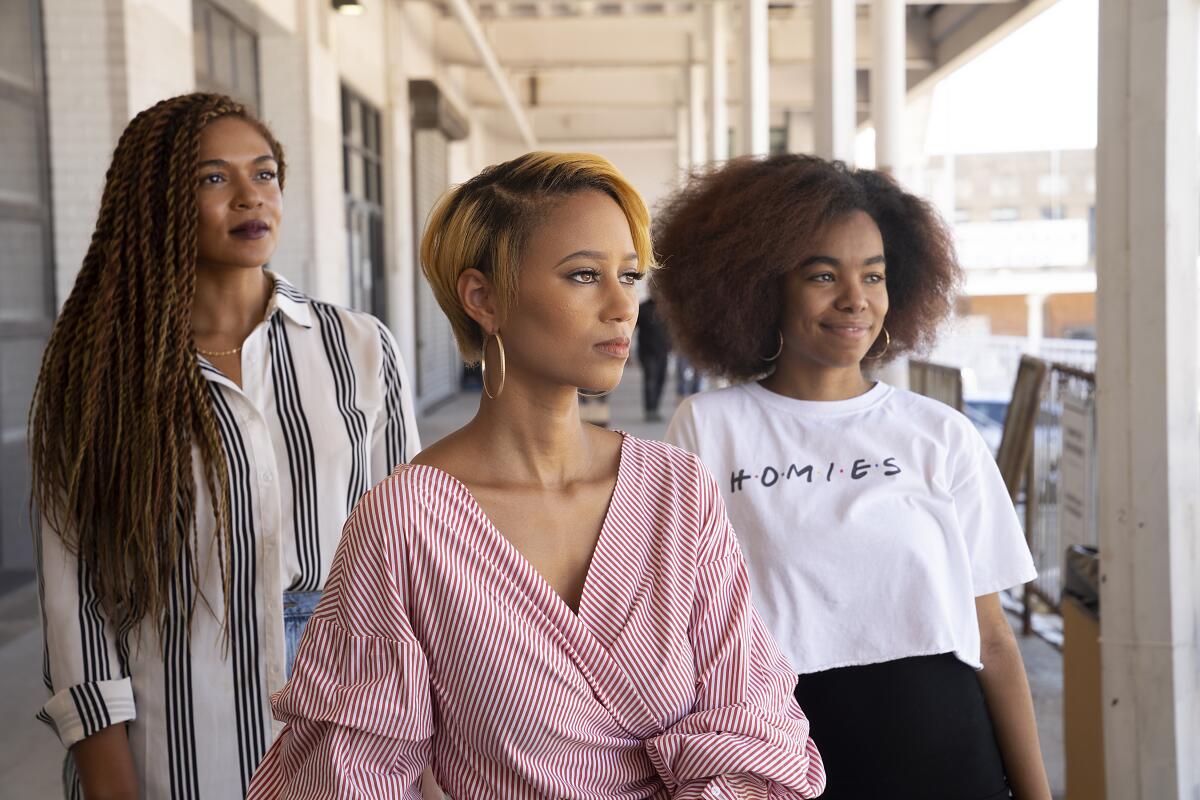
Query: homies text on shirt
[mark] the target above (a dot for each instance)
(770, 476)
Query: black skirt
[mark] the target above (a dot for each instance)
(911, 728)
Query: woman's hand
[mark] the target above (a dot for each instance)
(105, 765)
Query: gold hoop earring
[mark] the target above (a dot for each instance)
(778, 352)
(887, 342)
(593, 395)
(483, 365)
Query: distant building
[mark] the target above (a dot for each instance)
(1025, 227)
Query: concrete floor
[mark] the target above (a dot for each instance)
(31, 756)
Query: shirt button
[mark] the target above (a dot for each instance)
(266, 478)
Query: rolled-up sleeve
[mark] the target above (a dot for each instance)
(89, 686)
(357, 708)
(745, 737)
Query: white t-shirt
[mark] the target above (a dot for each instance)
(869, 525)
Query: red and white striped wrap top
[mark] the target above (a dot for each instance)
(438, 642)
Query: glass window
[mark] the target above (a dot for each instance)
(362, 160)
(226, 54)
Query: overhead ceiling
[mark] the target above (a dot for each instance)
(599, 69)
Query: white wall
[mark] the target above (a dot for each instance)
(105, 61)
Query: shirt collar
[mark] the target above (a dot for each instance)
(290, 300)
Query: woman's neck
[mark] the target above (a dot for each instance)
(534, 435)
(228, 303)
(816, 382)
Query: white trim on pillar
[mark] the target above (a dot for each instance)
(697, 140)
(888, 82)
(1149, 431)
(718, 77)
(754, 132)
(835, 85)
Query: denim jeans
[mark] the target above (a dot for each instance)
(297, 608)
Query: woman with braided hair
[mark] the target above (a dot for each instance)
(199, 432)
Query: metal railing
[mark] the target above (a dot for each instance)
(989, 363)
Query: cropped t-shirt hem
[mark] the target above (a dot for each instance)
(867, 661)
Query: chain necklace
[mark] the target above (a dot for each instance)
(218, 353)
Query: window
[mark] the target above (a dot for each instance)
(1006, 186)
(1053, 212)
(1052, 185)
(778, 140)
(1005, 214)
(362, 168)
(226, 55)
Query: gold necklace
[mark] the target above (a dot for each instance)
(217, 353)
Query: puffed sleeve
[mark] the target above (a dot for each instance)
(988, 521)
(357, 708)
(745, 737)
(89, 685)
(395, 439)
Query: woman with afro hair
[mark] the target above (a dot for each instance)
(876, 528)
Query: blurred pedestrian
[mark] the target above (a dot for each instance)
(654, 351)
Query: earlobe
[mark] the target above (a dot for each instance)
(477, 295)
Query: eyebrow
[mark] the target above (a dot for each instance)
(833, 262)
(595, 255)
(220, 162)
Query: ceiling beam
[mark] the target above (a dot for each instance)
(466, 16)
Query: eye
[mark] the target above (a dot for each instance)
(822, 277)
(631, 277)
(211, 179)
(876, 277)
(585, 276)
(267, 175)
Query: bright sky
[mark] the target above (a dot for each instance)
(1034, 90)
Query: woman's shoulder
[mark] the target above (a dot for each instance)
(716, 400)
(664, 464)
(350, 321)
(399, 500)
(938, 422)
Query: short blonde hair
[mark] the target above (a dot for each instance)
(486, 222)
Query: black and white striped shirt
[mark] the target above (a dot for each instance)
(324, 412)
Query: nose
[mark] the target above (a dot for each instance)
(620, 304)
(247, 195)
(853, 298)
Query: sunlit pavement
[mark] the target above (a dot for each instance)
(31, 756)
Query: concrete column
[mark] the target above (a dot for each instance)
(718, 76)
(1035, 322)
(835, 86)
(888, 82)
(754, 130)
(683, 158)
(697, 140)
(1147, 389)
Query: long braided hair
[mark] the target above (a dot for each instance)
(120, 400)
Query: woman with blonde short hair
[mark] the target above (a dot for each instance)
(538, 607)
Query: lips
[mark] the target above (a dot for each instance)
(617, 348)
(847, 330)
(253, 229)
